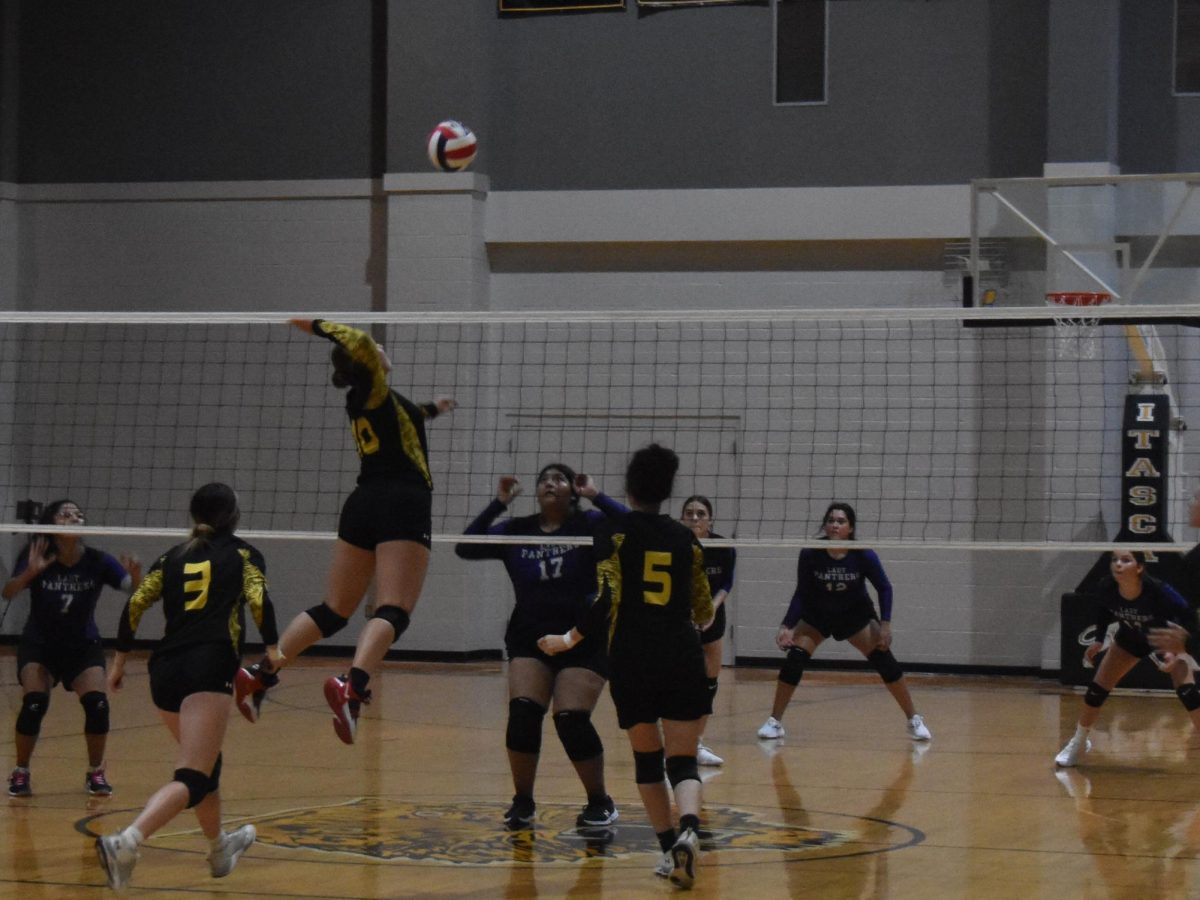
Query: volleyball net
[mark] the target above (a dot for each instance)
(940, 435)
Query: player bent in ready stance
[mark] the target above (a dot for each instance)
(383, 532)
(652, 594)
(831, 600)
(60, 641)
(1140, 604)
(203, 583)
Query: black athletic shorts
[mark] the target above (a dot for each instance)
(1132, 642)
(386, 509)
(65, 663)
(662, 683)
(195, 669)
(587, 654)
(842, 621)
(716, 630)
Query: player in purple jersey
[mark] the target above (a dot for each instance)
(553, 583)
(719, 563)
(60, 641)
(831, 600)
(1139, 604)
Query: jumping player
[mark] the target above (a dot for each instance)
(553, 584)
(1139, 604)
(831, 600)
(203, 583)
(719, 563)
(384, 530)
(652, 595)
(60, 641)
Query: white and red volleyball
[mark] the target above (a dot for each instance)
(452, 146)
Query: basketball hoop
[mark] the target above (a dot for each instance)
(1076, 336)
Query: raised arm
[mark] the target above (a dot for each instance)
(508, 488)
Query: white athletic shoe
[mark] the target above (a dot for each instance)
(117, 858)
(771, 729)
(683, 859)
(917, 730)
(705, 757)
(664, 866)
(1069, 755)
(233, 844)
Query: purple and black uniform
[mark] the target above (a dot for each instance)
(719, 563)
(1156, 606)
(831, 594)
(61, 631)
(553, 583)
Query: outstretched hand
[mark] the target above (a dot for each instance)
(508, 490)
(585, 486)
(305, 325)
(40, 555)
(445, 404)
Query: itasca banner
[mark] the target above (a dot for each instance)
(1144, 440)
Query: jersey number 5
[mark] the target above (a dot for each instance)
(657, 572)
(198, 585)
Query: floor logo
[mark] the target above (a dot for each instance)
(471, 834)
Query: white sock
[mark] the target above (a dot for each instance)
(132, 837)
(1082, 733)
(216, 842)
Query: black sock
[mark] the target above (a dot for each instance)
(666, 839)
(689, 821)
(358, 682)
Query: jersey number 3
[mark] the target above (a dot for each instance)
(657, 574)
(198, 585)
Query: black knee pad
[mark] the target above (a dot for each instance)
(394, 616)
(578, 735)
(95, 712)
(682, 768)
(885, 664)
(1189, 696)
(327, 621)
(793, 666)
(524, 733)
(214, 780)
(648, 766)
(195, 782)
(33, 709)
(1095, 695)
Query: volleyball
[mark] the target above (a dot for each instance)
(451, 146)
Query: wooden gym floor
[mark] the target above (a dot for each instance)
(844, 807)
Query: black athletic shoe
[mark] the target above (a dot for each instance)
(598, 814)
(520, 815)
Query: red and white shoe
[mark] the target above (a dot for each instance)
(249, 687)
(345, 704)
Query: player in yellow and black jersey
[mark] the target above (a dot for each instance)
(203, 584)
(653, 594)
(383, 532)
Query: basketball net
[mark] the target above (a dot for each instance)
(1076, 336)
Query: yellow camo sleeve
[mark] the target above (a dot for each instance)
(702, 605)
(361, 347)
(254, 587)
(147, 594)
